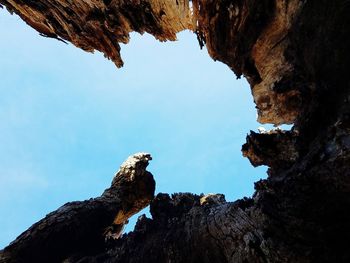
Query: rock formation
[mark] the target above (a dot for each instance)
(294, 54)
(83, 228)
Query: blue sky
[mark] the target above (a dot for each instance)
(70, 118)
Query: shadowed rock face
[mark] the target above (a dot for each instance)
(295, 55)
(253, 37)
(83, 227)
(276, 149)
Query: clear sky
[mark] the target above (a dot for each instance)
(68, 119)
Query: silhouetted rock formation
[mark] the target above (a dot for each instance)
(84, 227)
(295, 55)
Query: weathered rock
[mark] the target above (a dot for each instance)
(252, 37)
(102, 25)
(276, 149)
(80, 227)
(295, 55)
(212, 199)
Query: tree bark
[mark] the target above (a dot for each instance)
(295, 55)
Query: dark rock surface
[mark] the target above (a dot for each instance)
(295, 55)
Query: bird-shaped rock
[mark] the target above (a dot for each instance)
(81, 227)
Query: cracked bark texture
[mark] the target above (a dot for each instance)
(295, 55)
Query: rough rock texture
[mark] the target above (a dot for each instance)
(295, 55)
(102, 25)
(251, 37)
(83, 227)
(276, 149)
